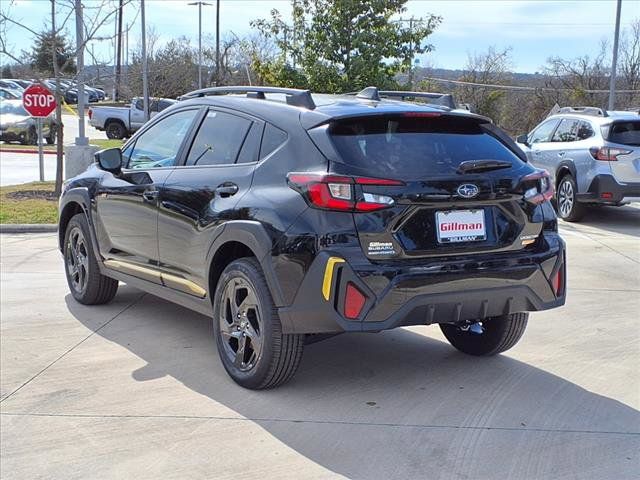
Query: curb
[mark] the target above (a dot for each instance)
(28, 228)
(20, 150)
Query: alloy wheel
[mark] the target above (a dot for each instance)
(77, 260)
(241, 324)
(565, 198)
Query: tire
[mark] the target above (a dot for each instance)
(87, 285)
(499, 335)
(115, 130)
(51, 139)
(268, 358)
(30, 137)
(568, 208)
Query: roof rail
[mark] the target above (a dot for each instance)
(595, 111)
(295, 97)
(372, 93)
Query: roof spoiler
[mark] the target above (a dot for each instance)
(293, 96)
(372, 93)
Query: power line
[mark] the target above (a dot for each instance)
(518, 87)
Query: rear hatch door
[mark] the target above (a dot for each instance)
(624, 137)
(462, 190)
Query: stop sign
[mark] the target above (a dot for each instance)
(38, 101)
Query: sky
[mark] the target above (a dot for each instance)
(534, 29)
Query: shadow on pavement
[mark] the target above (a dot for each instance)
(387, 405)
(624, 220)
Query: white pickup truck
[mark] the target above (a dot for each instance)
(121, 122)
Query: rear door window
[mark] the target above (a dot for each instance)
(219, 139)
(626, 133)
(566, 131)
(406, 146)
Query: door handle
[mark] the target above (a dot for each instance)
(150, 195)
(536, 152)
(226, 189)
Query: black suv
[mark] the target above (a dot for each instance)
(289, 218)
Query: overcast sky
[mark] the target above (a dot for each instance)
(535, 30)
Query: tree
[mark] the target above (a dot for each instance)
(172, 69)
(490, 68)
(343, 45)
(41, 57)
(6, 71)
(629, 63)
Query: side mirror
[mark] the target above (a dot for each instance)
(110, 159)
(523, 139)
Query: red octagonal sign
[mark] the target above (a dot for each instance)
(38, 101)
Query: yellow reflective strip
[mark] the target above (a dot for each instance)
(328, 276)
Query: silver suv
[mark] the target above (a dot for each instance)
(592, 155)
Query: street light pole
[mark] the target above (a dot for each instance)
(614, 60)
(145, 73)
(199, 4)
(81, 139)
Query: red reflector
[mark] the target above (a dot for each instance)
(606, 195)
(353, 302)
(557, 282)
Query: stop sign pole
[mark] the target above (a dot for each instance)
(39, 102)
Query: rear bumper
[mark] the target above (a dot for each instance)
(441, 291)
(606, 189)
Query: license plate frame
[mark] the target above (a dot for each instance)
(460, 226)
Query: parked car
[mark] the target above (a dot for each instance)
(69, 92)
(5, 83)
(16, 125)
(593, 157)
(289, 221)
(122, 122)
(10, 94)
(23, 83)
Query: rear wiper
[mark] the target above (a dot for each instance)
(482, 165)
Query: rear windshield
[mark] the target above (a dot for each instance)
(415, 145)
(626, 133)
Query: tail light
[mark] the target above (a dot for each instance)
(90, 114)
(353, 302)
(338, 192)
(539, 187)
(607, 154)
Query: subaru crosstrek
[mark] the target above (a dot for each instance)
(593, 157)
(288, 218)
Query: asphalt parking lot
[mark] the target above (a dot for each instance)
(134, 389)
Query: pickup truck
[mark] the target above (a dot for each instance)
(122, 122)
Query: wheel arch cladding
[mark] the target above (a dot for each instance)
(73, 203)
(243, 238)
(563, 169)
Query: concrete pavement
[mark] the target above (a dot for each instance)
(134, 389)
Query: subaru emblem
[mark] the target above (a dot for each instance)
(468, 190)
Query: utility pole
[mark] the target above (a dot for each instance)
(200, 4)
(119, 52)
(614, 60)
(81, 139)
(145, 73)
(411, 51)
(217, 42)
